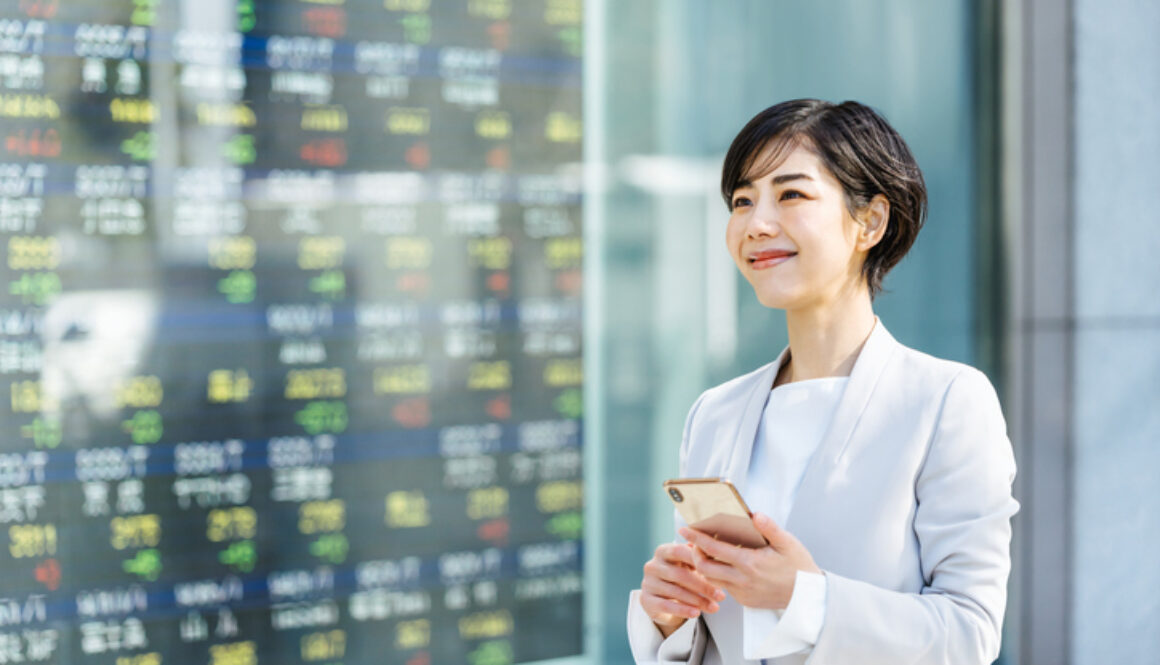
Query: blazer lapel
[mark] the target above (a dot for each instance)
(737, 469)
(875, 355)
(734, 466)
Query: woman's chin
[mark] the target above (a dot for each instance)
(775, 299)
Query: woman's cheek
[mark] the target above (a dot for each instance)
(733, 233)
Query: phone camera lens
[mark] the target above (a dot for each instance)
(676, 494)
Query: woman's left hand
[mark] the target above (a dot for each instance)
(762, 578)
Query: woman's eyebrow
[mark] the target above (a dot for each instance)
(786, 177)
(777, 179)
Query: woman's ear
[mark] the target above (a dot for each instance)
(873, 218)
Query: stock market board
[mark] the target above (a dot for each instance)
(290, 331)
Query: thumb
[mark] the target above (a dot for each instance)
(779, 539)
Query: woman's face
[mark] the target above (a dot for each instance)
(792, 236)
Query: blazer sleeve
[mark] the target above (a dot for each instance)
(963, 525)
(685, 646)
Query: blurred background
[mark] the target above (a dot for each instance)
(345, 331)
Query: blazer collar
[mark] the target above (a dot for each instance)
(737, 468)
(879, 346)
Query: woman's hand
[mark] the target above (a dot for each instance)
(762, 577)
(672, 592)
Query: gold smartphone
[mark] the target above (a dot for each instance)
(714, 506)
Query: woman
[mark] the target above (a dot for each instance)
(880, 476)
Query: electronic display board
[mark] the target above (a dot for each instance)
(290, 331)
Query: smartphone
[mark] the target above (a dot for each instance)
(714, 506)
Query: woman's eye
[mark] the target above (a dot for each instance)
(740, 201)
(792, 194)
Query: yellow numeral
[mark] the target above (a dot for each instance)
(324, 645)
(315, 383)
(33, 253)
(132, 110)
(135, 531)
(321, 253)
(25, 396)
(563, 12)
(321, 516)
(563, 253)
(401, 120)
(491, 253)
(236, 253)
(238, 523)
(487, 503)
(31, 540)
(482, 625)
(225, 115)
(237, 653)
(403, 379)
(152, 658)
(493, 125)
(563, 128)
(140, 392)
(225, 386)
(325, 119)
(413, 634)
(561, 373)
(407, 510)
(492, 9)
(559, 495)
(489, 375)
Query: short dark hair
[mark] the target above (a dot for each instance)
(861, 150)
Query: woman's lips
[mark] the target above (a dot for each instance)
(769, 258)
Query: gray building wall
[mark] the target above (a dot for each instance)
(1115, 613)
(1082, 159)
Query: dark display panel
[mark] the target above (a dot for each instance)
(290, 331)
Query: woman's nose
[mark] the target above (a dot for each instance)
(763, 222)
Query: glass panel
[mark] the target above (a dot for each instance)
(680, 79)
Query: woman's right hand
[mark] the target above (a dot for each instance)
(672, 591)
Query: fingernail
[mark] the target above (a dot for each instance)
(713, 607)
(719, 595)
(693, 614)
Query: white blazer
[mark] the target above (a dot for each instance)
(906, 506)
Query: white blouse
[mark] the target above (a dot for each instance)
(795, 419)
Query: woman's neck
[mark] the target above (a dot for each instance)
(825, 341)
